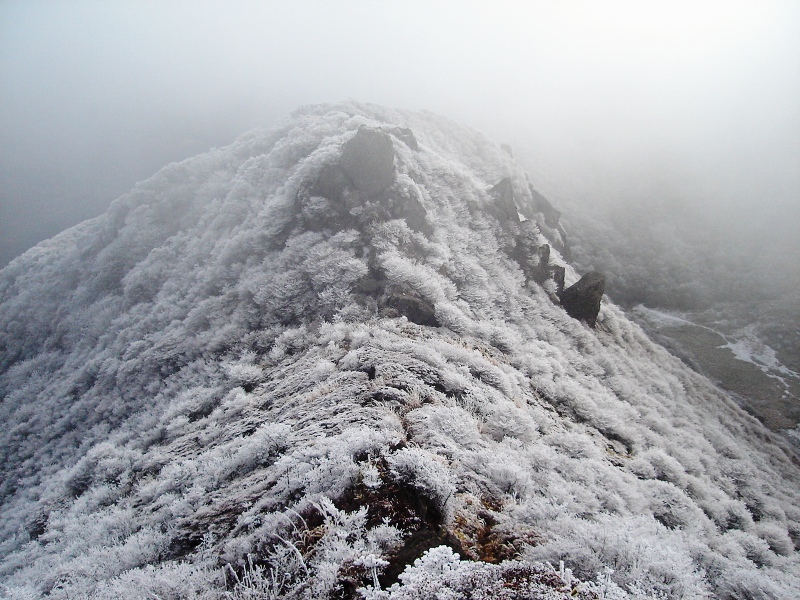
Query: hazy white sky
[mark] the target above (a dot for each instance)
(601, 99)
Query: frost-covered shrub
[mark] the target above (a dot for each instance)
(440, 574)
(450, 428)
(166, 581)
(103, 464)
(185, 378)
(776, 536)
(644, 554)
(425, 473)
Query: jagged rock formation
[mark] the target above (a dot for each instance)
(270, 370)
(503, 208)
(582, 300)
(551, 226)
(357, 191)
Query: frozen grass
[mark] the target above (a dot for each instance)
(199, 402)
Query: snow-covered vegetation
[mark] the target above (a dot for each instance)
(213, 391)
(742, 284)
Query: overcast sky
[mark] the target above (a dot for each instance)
(602, 101)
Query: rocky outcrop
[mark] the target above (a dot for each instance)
(504, 209)
(558, 272)
(529, 255)
(357, 190)
(416, 309)
(582, 300)
(523, 243)
(368, 160)
(404, 134)
(551, 226)
(542, 205)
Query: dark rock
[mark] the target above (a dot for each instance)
(504, 208)
(531, 257)
(535, 259)
(331, 183)
(582, 300)
(404, 134)
(544, 255)
(368, 160)
(557, 273)
(326, 204)
(37, 526)
(416, 309)
(542, 205)
(414, 214)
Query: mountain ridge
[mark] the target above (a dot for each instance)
(214, 374)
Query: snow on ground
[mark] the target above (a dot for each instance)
(744, 344)
(748, 347)
(204, 396)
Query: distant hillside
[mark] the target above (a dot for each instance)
(331, 361)
(731, 299)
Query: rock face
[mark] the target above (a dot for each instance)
(357, 191)
(582, 300)
(405, 135)
(504, 207)
(558, 273)
(542, 204)
(368, 160)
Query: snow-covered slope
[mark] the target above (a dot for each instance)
(262, 375)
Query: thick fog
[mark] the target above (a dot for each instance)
(687, 109)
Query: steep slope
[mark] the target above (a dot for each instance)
(290, 367)
(731, 305)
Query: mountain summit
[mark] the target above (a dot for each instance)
(331, 361)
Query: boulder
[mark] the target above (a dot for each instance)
(582, 300)
(368, 160)
(416, 309)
